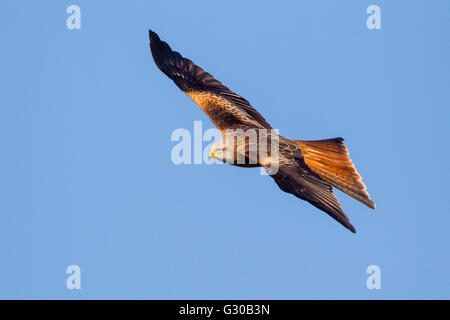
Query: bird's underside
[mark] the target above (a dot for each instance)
(306, 169)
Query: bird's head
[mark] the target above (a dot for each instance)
(220, 152)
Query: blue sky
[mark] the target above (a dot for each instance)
(86, 176)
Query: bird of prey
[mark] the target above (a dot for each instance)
(306, 169)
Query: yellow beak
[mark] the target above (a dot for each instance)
(212, 154)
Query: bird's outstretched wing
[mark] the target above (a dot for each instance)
(295, 177)
(225, 108)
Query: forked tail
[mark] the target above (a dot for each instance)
(330, 160)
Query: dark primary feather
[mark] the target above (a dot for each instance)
(191, 78)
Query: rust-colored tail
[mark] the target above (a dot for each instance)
(330, 160)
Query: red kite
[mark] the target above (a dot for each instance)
(306, 169)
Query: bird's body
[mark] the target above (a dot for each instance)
(306, 169)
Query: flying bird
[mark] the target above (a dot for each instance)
(306, 169)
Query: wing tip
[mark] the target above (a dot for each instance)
(153, 36)
(161, 52)
(351, 228)
(368, 202)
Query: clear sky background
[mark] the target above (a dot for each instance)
(86, 176)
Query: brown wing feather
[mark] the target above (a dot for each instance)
(224, 107)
